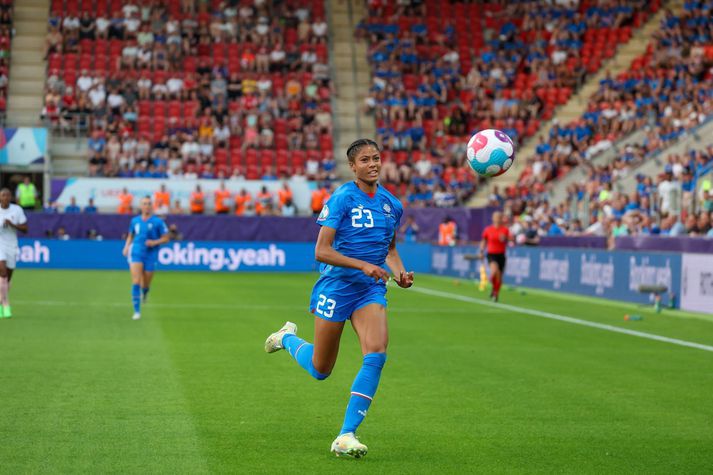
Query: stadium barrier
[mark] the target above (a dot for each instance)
(700, 245)
(195, 228)
(212, 256)
(609, 274)
(592, 242)
(697, 282)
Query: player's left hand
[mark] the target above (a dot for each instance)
(7, 224)
(405, 279)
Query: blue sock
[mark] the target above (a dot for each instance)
(302, 352)
(363, 390)
(145, 291)
(136, 297)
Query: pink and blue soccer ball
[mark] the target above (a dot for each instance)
(490, 152)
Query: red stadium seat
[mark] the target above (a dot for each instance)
(221, 156)
(159, 109)
(175, 109)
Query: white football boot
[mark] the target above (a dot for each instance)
(348, 444)
(136, 316)
(274, 341)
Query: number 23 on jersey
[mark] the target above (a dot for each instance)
(362, 218)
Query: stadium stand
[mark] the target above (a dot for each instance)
(667, 92)
(677, 201)
(669, 204)
(187, 88)
(6, 33)
(443, 70)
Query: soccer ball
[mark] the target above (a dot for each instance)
(490, 152)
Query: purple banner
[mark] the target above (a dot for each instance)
(665, 243)
(471, 223)
(479, 219)
(428, 220)
(211, 228)
(592, 242)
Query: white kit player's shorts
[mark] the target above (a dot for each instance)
(9, 256)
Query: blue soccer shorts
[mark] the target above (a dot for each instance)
(147, 258)
(335, 300)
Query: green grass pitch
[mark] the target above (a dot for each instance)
(467, 387)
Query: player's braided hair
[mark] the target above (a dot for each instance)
(357, 145)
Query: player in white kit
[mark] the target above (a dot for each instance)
(13, 219)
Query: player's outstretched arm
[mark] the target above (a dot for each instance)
(325, 252)
(393, 260)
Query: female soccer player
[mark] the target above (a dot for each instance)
(12, 220)
(357, 237)
(146, 234)
(496, 237)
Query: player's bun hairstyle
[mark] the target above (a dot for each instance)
(357, 145)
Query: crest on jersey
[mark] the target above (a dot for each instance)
(324, 214)
(387, 208)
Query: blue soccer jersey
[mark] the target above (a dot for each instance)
(365, 227)
(144, 230)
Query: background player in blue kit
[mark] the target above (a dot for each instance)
(357, 238)
(146, 234)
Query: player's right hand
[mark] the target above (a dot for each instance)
(125, 252)
(375, 272)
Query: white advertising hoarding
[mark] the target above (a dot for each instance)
(697, 282)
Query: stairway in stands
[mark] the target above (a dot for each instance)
(27, 66)
(352, 78)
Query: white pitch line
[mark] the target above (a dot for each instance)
(562, 318)
(213, 306)
(59, 303)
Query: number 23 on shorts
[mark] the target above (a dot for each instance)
(325, 306)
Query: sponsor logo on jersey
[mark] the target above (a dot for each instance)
(324, 214)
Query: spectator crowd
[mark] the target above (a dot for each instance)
(222, 88)
(443, 70)
(676, 202)
(667, 92)
(6, 34)
(206, 89)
